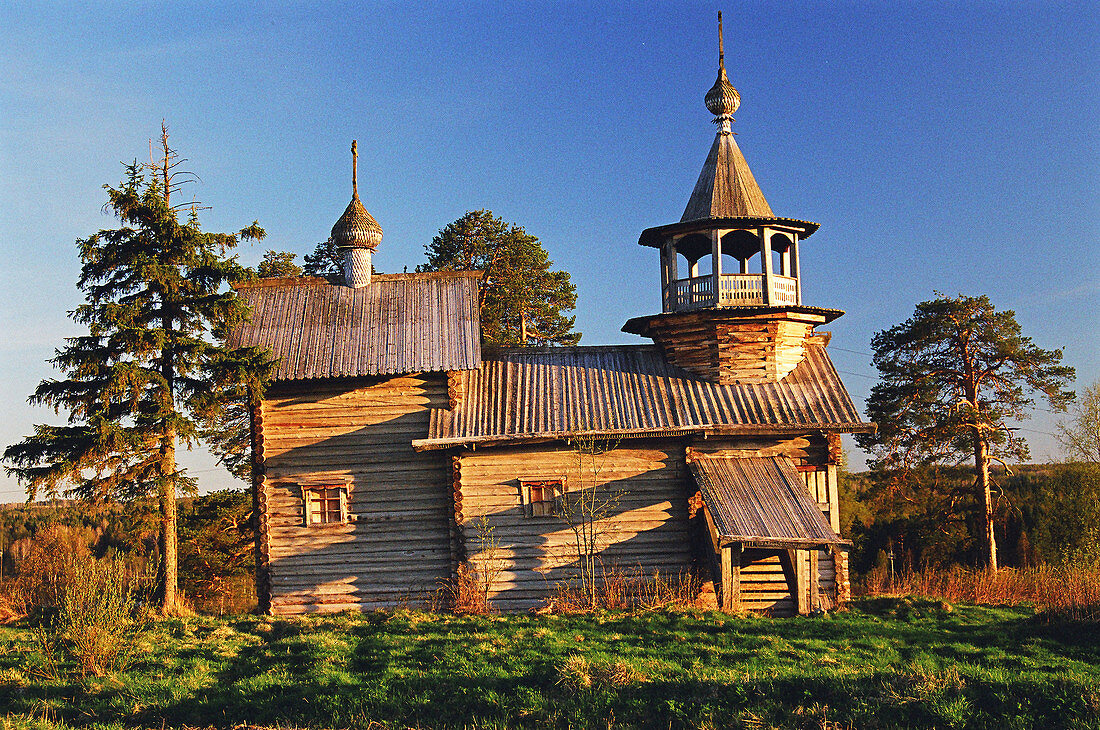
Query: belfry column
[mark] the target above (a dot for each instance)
(766, 264)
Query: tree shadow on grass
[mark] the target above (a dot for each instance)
(404, 671)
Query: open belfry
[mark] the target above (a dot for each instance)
(748, 324)
(393, 452)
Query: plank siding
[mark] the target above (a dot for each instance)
(647, 530)
(396, 550)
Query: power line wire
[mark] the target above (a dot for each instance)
(858, 375)
(856, 352)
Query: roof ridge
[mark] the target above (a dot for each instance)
(560, 349)
(320, 281)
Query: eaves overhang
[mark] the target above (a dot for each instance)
(642, 325)
(655, 237)
(703, 432)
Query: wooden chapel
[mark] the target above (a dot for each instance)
(391, 444)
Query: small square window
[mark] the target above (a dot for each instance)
(541, 496)
(325, 504)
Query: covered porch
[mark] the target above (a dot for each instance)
(770, 544)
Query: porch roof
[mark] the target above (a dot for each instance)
(761, 501)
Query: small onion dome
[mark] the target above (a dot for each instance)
(356, 228)
(722, 99)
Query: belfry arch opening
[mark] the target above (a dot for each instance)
(742, 247)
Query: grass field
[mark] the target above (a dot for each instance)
(888, 663)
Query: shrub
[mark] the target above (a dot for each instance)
(475, 580)
(96, 623)
(616, 589)
(465, 593)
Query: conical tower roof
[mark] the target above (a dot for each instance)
(356, 228)
(726, 187)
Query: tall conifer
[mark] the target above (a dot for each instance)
(523, 302)
(149, 374)
(954, 377)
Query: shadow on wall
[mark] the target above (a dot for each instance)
(643, 530)
(394, 548)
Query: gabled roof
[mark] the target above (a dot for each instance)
(726, 187)
(760, 500)
(523, 394)
(399, 323)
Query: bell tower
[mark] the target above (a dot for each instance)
(730, 276)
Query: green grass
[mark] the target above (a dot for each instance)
(886, 664)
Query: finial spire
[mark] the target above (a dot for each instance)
(355, 167)
(721, 50)
(722, 99)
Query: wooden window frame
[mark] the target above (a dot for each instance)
(532, 487)
(334, 509)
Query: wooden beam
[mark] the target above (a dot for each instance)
(796, 270)
(815, 601)
(834, 497)
(727, 577)
(766, 263)
(735, 577)
(716, 263)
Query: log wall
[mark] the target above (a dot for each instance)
(645, 531)
(395, 549)
(726, 348)
(415, 515)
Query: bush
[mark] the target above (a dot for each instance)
(466, 593)
(95, 625)
(44, 563)
(616, 589)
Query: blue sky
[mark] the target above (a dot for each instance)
(945, 146)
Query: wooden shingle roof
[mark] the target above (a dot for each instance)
(523, 394)
(399, 323)
(726, 187)
(761, 500)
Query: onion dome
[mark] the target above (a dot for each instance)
(356, 228)
(722, 100)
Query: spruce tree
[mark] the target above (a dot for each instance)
(953, 377)
(523, 302)
(149, 375)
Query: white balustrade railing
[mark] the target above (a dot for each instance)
(733, 290)
(693, 292)
(784, 290)
(741, 289)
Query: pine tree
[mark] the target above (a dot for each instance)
(522, 301)
(325, 262)
(148, 375)
(278, 264)
(953, 375)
